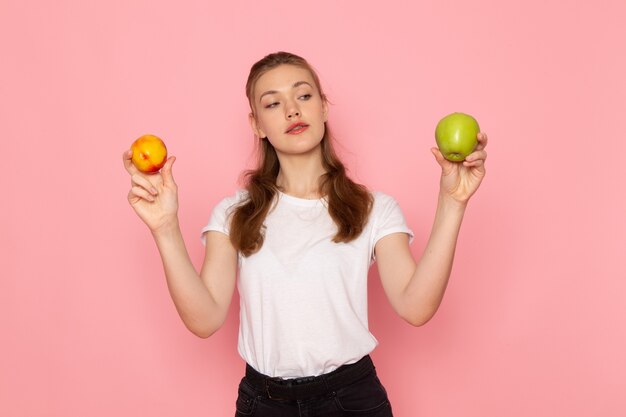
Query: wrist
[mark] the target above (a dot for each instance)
(166, 229)
(449, 202)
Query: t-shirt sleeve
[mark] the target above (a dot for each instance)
(220, 216)
(388, 219)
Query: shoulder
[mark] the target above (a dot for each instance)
(385, 206)
(239, 196)
(388, 217)
(382, 200)
(227, 205)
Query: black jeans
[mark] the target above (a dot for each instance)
(351, 390)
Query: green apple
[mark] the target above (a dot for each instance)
(457, 136)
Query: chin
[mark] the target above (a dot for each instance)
(296, 144)
(300, 149)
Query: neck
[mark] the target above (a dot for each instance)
(299, 175)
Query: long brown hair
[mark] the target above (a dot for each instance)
(349, 203)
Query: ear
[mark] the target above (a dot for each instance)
(325, 110)
(255, 126)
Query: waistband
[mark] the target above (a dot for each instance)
(312, 386)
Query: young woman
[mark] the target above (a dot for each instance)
(298, 242)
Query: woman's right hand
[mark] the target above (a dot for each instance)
(154, 197)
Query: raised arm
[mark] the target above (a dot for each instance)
(415, 290)
(202, 300)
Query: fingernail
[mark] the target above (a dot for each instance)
(153, 190)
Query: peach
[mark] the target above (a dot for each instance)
(149, 153)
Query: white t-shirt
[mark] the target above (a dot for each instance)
(303, 298)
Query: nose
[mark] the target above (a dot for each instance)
(293, 111)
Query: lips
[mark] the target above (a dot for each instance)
(296, 128)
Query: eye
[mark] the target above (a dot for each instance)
(305, 97)
(272, 105)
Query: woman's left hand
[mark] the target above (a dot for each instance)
(460, 180)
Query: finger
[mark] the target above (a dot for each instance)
(482, 141)
(142, 193)
(477, 163)
(166, 171)
(446, 166)
(137, 179)
(134, 198)
(438, 155)
(476, 155)
(127, 157)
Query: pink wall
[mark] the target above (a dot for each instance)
(533, 323)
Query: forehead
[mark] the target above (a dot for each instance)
(282, 78)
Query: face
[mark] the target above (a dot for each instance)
(288, 110)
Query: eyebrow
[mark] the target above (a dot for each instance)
(297, 84)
